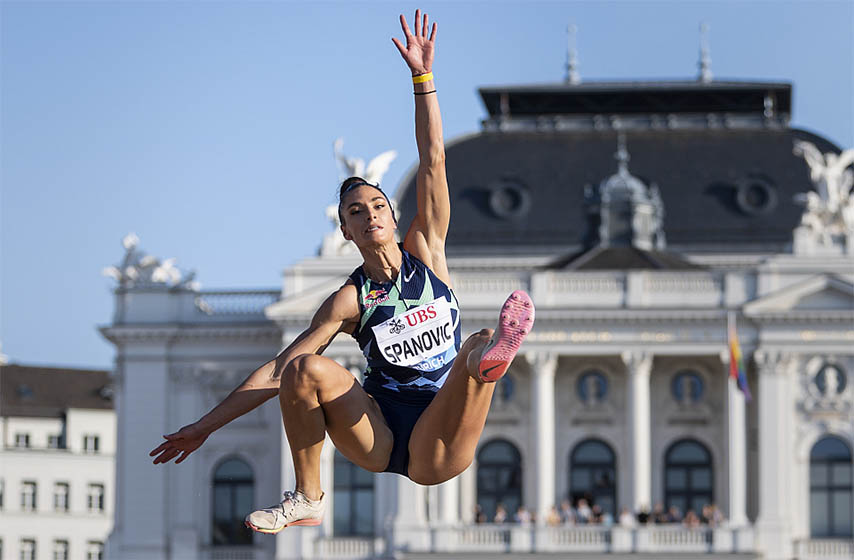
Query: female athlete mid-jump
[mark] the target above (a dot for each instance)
(425, 397)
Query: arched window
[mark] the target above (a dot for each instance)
(688, 476)
(499, 478)
(593, 475)
(353, 499)
(233, 496)
(830, 488)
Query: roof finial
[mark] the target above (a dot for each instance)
(705, 63)
(572, 75)
(622, 154)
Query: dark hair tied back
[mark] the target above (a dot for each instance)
(351, 183)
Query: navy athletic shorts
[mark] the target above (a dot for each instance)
(401, 412)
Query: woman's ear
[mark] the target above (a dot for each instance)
(346, 233)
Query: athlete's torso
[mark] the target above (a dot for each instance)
(409, 329)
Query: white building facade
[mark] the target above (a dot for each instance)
(56, 463)
(621, 395)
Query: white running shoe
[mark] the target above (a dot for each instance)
(295, 509)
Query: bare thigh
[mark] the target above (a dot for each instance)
(353, 419)
(444, 439)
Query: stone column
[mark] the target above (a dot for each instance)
(543, 367)
(638, 369)
(449, 502)
(736, 436)
(468, 492)
(773, 526)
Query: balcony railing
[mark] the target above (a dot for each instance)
(824, 549)
(235, 302)
(233, 553)
(350, 548)
(489, 538)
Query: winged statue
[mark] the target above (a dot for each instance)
(830, 208)
(355, 167)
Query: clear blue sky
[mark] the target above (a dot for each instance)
(207, 128)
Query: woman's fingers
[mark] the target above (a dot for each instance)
(433, 33)
(183, 456)
(406, 32)
(159, 448)
(399, 46)
(425, 26)
(417, 22)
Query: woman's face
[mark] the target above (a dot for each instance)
(368, 220)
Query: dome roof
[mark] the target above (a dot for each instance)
(726, 189)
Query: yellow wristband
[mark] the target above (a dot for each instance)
(422, 78)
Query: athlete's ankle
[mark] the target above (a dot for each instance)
(313, 494)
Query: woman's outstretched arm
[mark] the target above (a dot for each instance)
(335, 315)
(426, 236)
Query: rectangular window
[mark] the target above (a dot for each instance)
(60, 550)
(28, 495)
(94, 550)
(22, 440)
(95, 498)
(55, 442)
(28, 549)
(60, 497)
(90, 443)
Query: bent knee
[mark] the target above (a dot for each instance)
(429, 475)
(303, 372)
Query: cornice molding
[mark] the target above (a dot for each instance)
(122, 334)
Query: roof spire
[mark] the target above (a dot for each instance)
(622, 154)
(705, 63)
(572, 75)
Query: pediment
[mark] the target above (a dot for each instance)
(304, 303)
(819, 293)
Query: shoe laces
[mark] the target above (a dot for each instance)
(291, 498)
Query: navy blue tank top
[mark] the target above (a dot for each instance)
(409, 330)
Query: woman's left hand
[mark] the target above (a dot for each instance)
(419, 50)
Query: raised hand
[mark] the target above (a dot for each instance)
(183, 442)
(419, 50)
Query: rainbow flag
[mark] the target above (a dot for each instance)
(736, 362)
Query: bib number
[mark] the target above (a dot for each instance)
(419, 338)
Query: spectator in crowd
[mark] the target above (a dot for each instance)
(500, 514)
(606, 517)
(596, 514)
(717, 516)
(567, 513)
(583, 513)
(659, 516)
(712, 516)
(626, 518)
(691, 520)
(522, 516)
(674, 515)
(644, 515)
(553, 517)
(479, 516)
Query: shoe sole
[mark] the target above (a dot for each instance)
(517, 318)
(304, 522)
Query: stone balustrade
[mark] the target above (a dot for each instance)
(511, 538)
(824, 549)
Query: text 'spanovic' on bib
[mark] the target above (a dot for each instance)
(422, 338)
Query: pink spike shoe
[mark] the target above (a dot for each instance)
(517, 319)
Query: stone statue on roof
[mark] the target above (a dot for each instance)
(333, 242)
(139, 270)
(828, 221)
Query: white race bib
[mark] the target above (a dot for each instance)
(418, 338)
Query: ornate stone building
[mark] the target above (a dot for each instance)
(713, 207)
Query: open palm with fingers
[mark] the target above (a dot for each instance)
(419, 50)
(183, 442)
